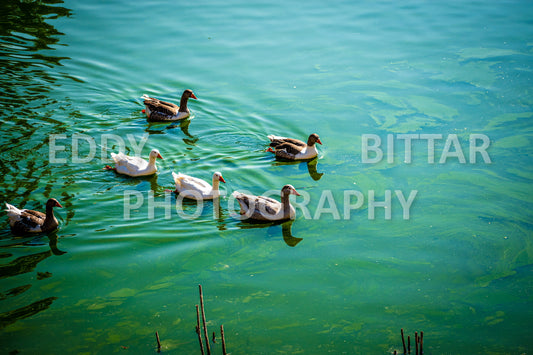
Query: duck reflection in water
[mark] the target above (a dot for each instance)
(286, 229)
(311, 166)
(139, 180)
(160, 128)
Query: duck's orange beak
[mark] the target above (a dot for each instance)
(58, 205)
(159, 156)
(193, 96)
(295, 193)
(221, 179)
(318, 141)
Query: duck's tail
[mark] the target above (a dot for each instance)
(12, 211)
(177, 178)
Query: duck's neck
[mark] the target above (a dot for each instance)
(183, 104)
(151, 162)
(285, 205)
(50, 221)
(216, 183)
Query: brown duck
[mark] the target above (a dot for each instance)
(162, 111)
(262, 208)
(294, 149)
(30, 221)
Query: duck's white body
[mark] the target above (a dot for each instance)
(135, 166)
(262, 208)
(195, 188)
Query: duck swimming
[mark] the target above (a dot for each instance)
(195, 188)
(30, 221)
(162, 111)
(261, 208)
(294, 149)
(135, 166)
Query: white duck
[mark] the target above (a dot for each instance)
(195, 188)
(263, 208)
(134, 166)
(162, 111)
(30, 221)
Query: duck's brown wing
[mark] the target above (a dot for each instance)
(254, 202)
(277, 141)
(163, 107)
(29, 221)
(289, 148)
(32, 215)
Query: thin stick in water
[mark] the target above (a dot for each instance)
(416, 343)
(158, 342)
(421, 343)
(198, 329)
(204, 322)
(223, 340)
(403, 342)
(408, 344)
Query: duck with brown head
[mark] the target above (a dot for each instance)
(294, 149)
(30, 221)
(261, 208)
(162, 111)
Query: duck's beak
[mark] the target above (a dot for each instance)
(159, 156)
(318, 141)
(193, 96)
(58, 205)
(294, 192)
(221, 179)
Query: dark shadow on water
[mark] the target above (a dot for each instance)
(22, 265)
(14, 292)
(286, 229)
(11, 317)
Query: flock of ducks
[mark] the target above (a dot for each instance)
(258, 208)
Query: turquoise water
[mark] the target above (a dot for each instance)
(459, 268)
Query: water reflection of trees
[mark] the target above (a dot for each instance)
(28, 40)
(25, 37)
(22, 265)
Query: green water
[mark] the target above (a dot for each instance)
(459, 268)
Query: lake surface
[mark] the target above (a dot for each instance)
(441, 78)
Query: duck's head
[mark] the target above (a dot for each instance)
(289, 190)
(51, 203)
(154, 154)
(218, 177)
(189, 94)
(313, 138)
